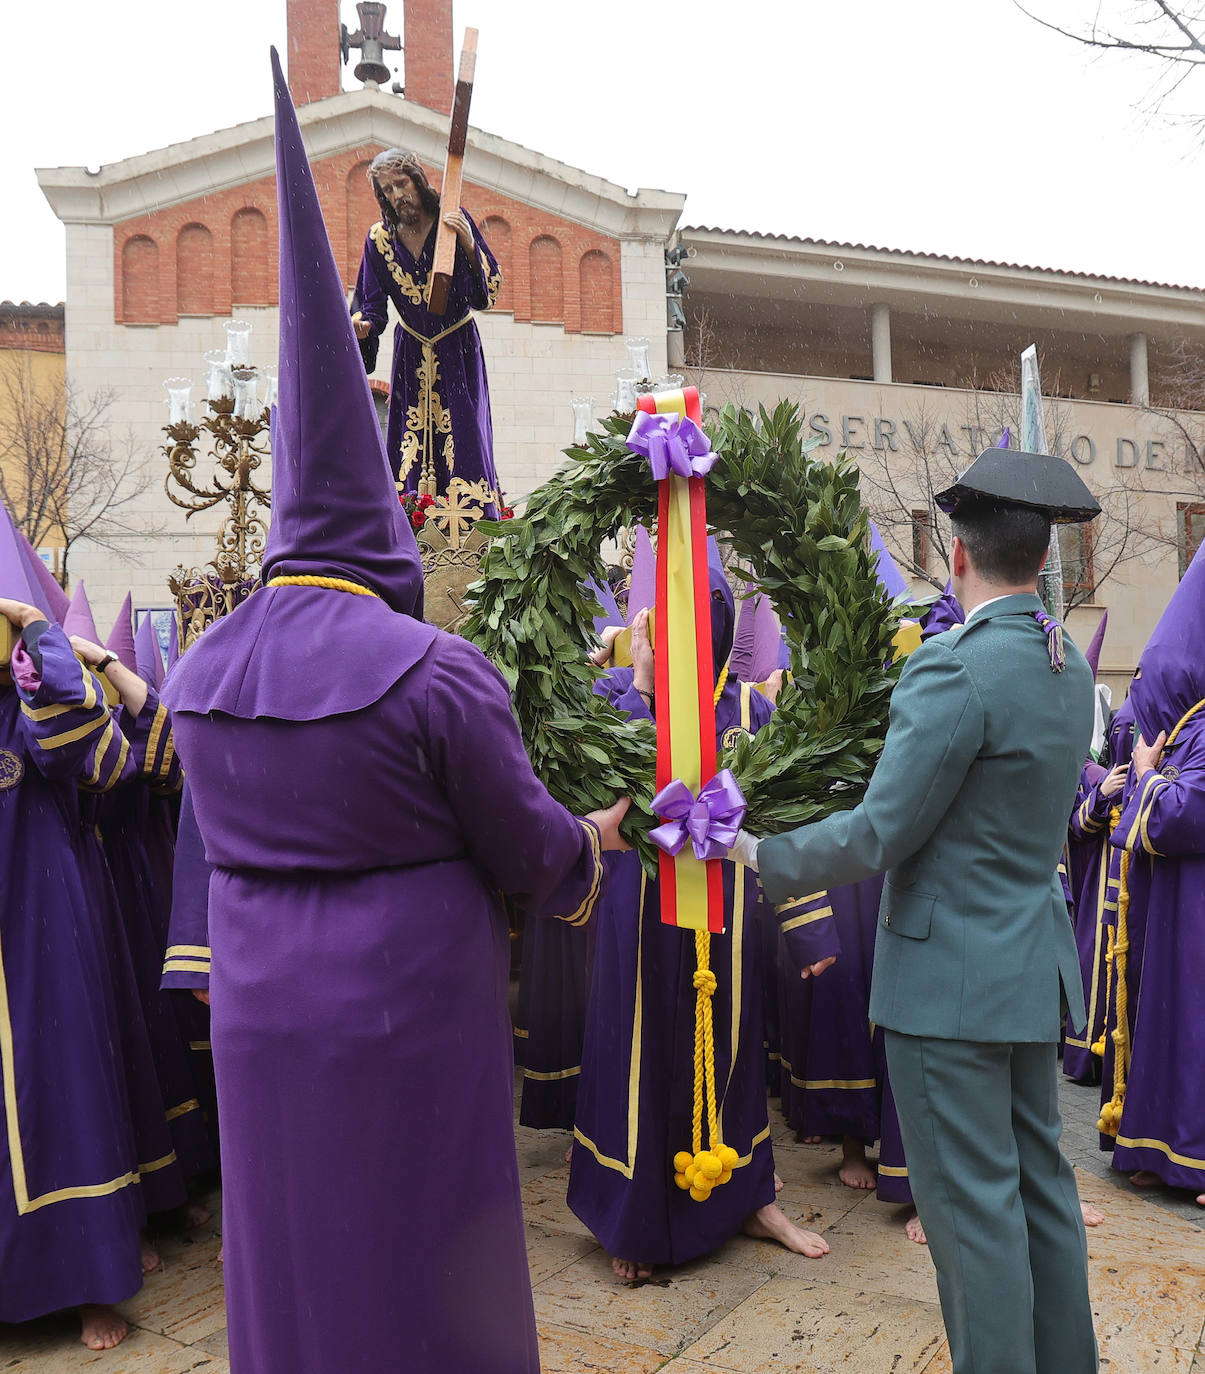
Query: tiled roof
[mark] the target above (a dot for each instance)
(939, 257)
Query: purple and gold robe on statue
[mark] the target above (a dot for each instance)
(439, 402)
(636, 1091)
(71, 1203)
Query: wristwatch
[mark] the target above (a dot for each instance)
(105, 662)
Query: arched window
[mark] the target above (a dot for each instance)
(497, 234)
(140, 280)
(547, 280)
(594, 277)
(363, 211)
(251, 270)
(194, 271)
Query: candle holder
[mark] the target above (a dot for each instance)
(234, 435)
(583, 417)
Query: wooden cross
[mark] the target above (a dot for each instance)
(449, 192)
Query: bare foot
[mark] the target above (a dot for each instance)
(1201, 1199)
(1145, 1179)
(778, 1185)
(569, 1155)
(196, 1214)
(855, 1172)
(915, 1231)
(1092, 1216)
(151, 1260)
(770, 1223)
(102, 1328)
(809, 1139)
(222, 1255)
(629, 1270)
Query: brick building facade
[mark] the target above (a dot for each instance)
(164, 247)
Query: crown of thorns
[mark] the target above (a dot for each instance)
(394, 159)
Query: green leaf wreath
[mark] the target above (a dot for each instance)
(796, 523)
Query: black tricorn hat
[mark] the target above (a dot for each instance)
(1002, 476)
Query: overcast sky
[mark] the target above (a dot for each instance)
(947, 126)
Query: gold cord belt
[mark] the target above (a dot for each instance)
(335, 584)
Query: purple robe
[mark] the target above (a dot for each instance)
(71, 1204)
(834, 1069)
(1162, 825)
(550, 1021)
(360, 1028)
(124, 815)
(636, 1090)
(439, 404)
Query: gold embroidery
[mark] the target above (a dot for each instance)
(405, 282)
(429, 418)
(493, 282)
(12, 769)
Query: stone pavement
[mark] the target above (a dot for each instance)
(869, 1307)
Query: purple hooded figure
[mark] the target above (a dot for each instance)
(364, 799)
(74, 1199)
(1161, 1130)
(636, 1089)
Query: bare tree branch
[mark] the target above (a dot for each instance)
(62, 475)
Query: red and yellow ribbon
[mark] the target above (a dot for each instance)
(692, 890)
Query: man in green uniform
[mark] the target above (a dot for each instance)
(975, 960)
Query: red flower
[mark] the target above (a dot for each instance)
(508, 513)
(425, 500)
(418, 519)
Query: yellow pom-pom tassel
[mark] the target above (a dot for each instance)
(682, 1161)
(690, 1173)
(700, 1194)
(727, 1156)
(724, 1177)
(682, 1181)
(708, 1164)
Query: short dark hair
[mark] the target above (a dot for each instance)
(1005, 543)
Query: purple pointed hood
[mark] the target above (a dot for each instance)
(1171, 670)
(78, 620)
(606, 600)
(146, 652)
(56, 598)
(755, 643)
(18, 580)
(121, 636)
(887, 568)
(1092, 652)
(307, 652)
(642, 586)
(723, 608)
(335, 510)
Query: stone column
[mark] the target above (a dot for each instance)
(880, 342)
(1140, 389)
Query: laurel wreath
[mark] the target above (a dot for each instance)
(796, 523)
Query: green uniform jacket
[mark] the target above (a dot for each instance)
(967, 815)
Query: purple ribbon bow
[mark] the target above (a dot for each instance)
(710, 821)
(671, 443)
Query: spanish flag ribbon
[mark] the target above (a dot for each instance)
(692, 890)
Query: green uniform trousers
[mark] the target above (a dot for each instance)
(980, 1125)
